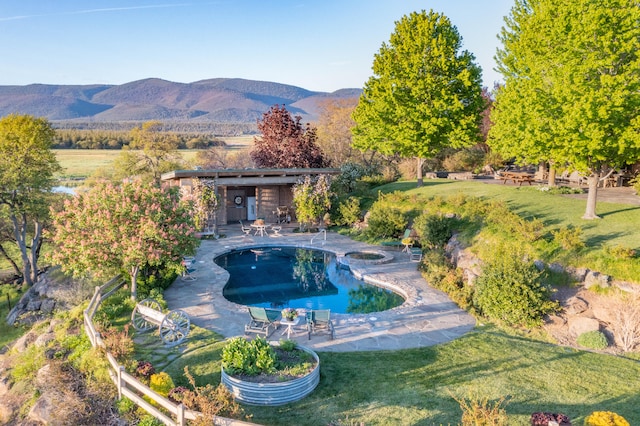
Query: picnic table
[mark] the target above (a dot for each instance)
(517, 177)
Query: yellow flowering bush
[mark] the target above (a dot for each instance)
(161, 383)
(605, 418)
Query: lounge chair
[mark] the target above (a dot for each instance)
(263, 320)
(319, 320)
(398, 243)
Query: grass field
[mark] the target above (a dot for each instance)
(81, 163)
(418, 386)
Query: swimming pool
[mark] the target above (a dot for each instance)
(279, 277)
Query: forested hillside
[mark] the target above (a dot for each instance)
(223, 106)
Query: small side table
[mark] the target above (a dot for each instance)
(290, 324)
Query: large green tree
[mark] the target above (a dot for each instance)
(27, 168)
(152, 151)
(425, 94)
(125, 227)
(572, 87)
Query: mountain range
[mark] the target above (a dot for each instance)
(222, 100)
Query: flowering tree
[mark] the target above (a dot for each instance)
(312, 199)
(125, 227)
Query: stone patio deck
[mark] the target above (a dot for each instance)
(427, 317)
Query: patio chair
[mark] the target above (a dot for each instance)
(319, 320)
(263, 320)
(186, 270)
(415, 254)
(245, 229)
(398, 243)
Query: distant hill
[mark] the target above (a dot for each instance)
(217, 100)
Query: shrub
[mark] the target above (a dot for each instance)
(593, 340)
(441, 274)
(210, 401)
(177, 394)
(118, 342)
(635, 183)
(348, 212)
(569, 238)
(543, 419)
(145, 370)
(385, 219)
(605, 418)
(113, 308)
(125, 406)
(151, 278)
(479, 411)
(435, 231)
(350, 174)
(619, 252)
(161, 383)
(626, 326)
(149, 420)
(250, 357)
(466, 159)
(510, 291)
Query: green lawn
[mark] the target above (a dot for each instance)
(415, 386)
(619, 226)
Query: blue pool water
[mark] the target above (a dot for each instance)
(273, 277)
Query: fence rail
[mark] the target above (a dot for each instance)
(127, 385)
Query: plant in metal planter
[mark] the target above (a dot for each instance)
(262, 373)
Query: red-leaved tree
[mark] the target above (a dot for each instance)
(126, 227)
(285, 143)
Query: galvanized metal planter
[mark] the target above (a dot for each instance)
(272, 394)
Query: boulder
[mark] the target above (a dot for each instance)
(34, 305)
(577, 274)
(603, 314)
(556, 267)
(575, 305)
(41, 410)
(23, 342)
(6, 411)
(43, 339)
(627, 286)
(47, 306)
(594, 278)
(580, 325)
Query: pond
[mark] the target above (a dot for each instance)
(279, 277)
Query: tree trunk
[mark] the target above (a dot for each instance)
(35, 249)
(419, 172)
(590, 212)
(134, 282)
(14, 265)
(552, 176)
(20, 234)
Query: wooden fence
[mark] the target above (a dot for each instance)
(127, 385)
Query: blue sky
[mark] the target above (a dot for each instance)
(321, 45)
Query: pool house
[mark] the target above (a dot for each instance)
(248, 194)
